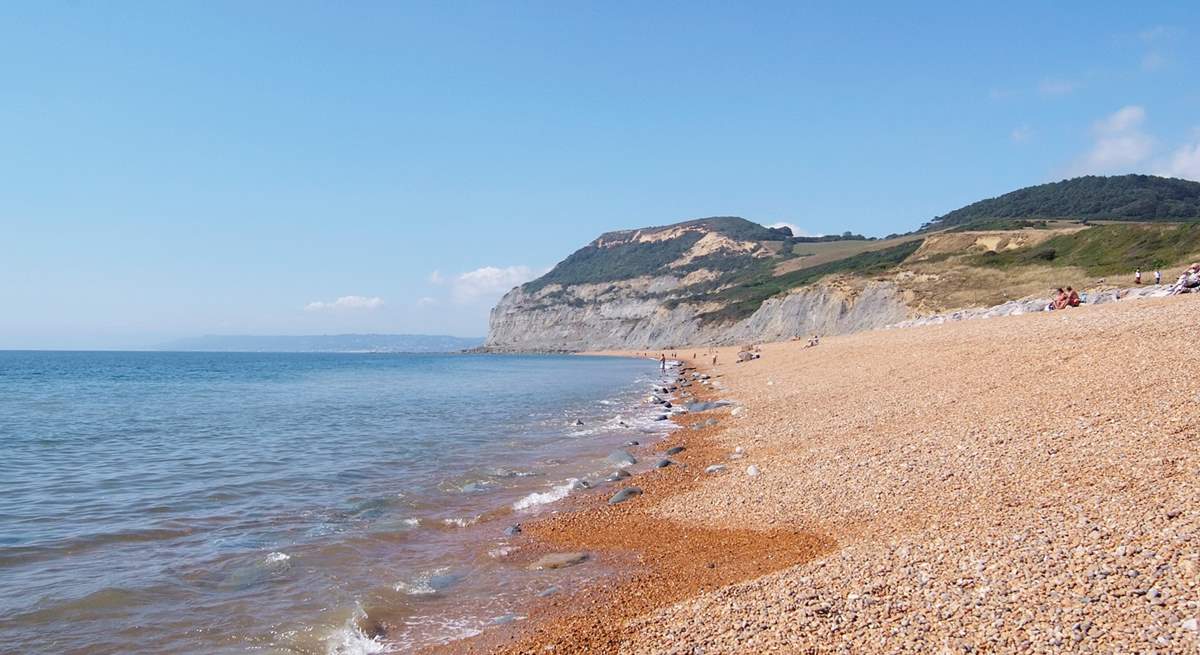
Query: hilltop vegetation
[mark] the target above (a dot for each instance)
(1107, 249)
(1122, 197)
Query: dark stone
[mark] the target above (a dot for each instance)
(630, 443)
(624, 495)
(663, 463)
(512, 530)
(675, 451)
(619, 474)
(622, 458)
(559, 561)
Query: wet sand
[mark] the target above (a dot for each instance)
(1020, 484)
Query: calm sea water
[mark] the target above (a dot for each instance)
(287, 503)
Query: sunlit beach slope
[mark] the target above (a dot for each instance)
(1020, 484)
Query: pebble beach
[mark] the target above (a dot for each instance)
(1019, 484)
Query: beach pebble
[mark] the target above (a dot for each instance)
(675, 450)
(630, 443)
(737, 411)
(1191, 624)
(715, 468)
(710, 422)
(619, 474)
(752, 470)
(624, 495)
(512, 530)
(558, 561)
(739, 450)
(661, 417)
(622, 458)
(663, 463)
(548, 591)
(580, 485)
(501, 620)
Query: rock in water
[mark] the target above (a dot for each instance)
(624, 495)
(548, 591)
(580, 485)
(622, 458)
(619, 474)
(715, 468)
(512, 530)
(577, 422)
(675, 451)
(558, 561)
(631, 443)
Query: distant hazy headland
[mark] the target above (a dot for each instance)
(330, 343)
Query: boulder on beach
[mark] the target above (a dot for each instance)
(624, 495)
(663, 463)
(580, 485)
(675, 450)
(619, 474)
(622, 458)
(558, 561)
(512, 530)
(715, 468)
(548, 591)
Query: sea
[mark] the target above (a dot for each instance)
(173, 502)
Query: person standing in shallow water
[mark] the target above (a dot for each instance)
(662, 360)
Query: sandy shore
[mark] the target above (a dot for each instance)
(1019, 484)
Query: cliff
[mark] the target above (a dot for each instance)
(712, 281)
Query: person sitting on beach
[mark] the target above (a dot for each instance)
(1072, 298)
(1060, 300)
(814, 341)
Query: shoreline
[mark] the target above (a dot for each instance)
(650, 571)
(1021, 484)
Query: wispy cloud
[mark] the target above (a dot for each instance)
(1021, 133)
(1058, 87)
(1183, 162)
(1157, 33)
(486, 283)
(345, 303)
(1153, 61)
(1118, 144)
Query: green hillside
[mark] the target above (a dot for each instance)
(1107, 249)
(1121, 197)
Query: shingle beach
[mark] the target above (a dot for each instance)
(1018, 484)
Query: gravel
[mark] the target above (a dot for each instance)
(1023, 484)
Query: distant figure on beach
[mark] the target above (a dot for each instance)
(662, 360)
(1137, 276)
(1060, 299)
(1157, 277)
(814, 341)
(714, 360)
(1072, 298)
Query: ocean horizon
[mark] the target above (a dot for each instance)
(185, 502)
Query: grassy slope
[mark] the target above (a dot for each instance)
(1107, 249)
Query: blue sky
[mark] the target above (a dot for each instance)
(173, 169)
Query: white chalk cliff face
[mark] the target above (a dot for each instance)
(674, 287)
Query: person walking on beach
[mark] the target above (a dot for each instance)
(1137, 276)
(1157, 277)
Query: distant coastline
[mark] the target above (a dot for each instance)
(325, 343)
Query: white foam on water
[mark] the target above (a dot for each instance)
(350, 639)
(413, 522)
(422, 585)
(277, 557)
(536, 498)
(460, 522)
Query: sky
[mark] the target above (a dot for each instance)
(172, 169)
